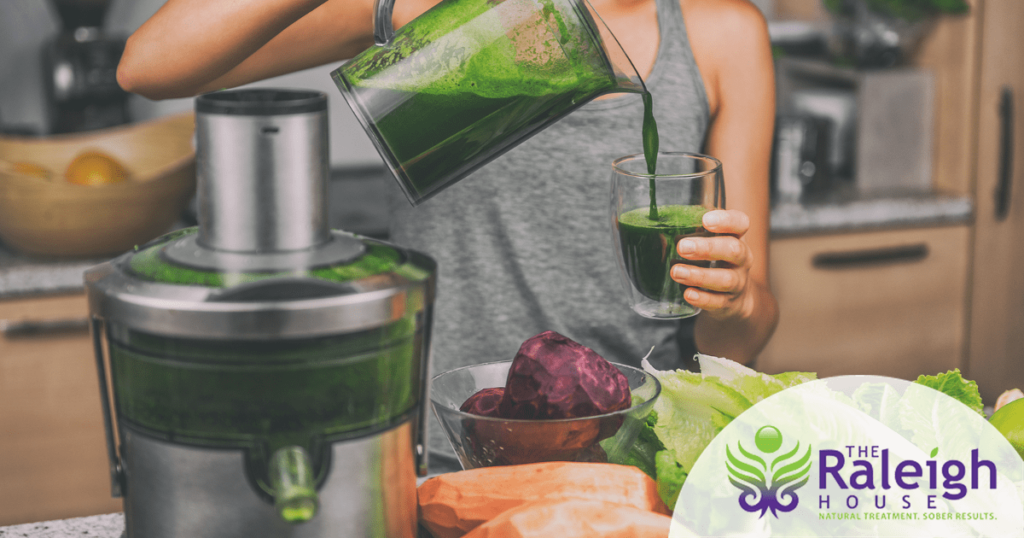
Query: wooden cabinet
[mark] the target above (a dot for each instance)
(996, 336)
(53, 461)
(887, 303)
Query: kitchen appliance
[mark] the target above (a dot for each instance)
(467, 81)
(80, 70)
(881, 121)
(262, 375)
(801, 165)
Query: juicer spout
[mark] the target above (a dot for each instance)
(294, 489)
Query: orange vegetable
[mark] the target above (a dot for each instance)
(455, 503)
(575, 519)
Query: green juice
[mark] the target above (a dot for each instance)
(268, 393)
(435, 139)
(462, 84)
(651, 142)
(649, 247)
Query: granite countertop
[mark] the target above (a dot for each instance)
(845, 211)
(104, 526)
(358, 203)
(112, 525)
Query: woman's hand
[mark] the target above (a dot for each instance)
(722, 291)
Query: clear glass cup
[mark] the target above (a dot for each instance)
(487, 442)
(650, 214)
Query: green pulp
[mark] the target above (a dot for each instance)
(148, 263)
(649, 247)
(457, 87)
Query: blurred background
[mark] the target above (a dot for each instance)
(896, 206)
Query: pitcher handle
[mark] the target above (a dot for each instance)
(383, 30)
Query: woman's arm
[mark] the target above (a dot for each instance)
(731, 45)
(193, 46)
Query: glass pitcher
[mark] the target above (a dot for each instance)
(470, 79)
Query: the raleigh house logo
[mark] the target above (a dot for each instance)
(768, 485)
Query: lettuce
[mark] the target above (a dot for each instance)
(642, 453)
(694, 407)
(953, 384)
(670, 477)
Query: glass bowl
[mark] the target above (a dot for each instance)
(486, 441)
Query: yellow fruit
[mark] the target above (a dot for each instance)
(1009, 420)
(95, 168)
(32, 169)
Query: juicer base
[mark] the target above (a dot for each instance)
(180, 491)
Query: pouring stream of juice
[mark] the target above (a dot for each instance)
(650, 136)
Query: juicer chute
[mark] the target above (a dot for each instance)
(263, 366)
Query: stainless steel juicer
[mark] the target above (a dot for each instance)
(262, 375)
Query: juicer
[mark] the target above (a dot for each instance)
(262, 375)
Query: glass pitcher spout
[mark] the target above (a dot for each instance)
(383, 28)
(470, 79)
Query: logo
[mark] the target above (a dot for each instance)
(768, 486)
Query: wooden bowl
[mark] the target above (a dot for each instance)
(52, 217)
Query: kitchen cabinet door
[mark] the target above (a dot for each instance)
(881, 303)
(53, 459)
(996, 335)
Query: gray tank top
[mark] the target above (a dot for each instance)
(524, 244)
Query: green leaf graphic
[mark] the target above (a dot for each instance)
(801, 468)
(737, 467)
(785, 456)
(935, 451)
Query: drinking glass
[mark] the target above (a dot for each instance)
(650, 214)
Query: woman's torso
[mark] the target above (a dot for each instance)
(524, 244)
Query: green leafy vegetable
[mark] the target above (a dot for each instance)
(671, 476)
(694, 407)
(954, 385)
(647, 445)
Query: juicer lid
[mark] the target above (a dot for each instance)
(151, 290)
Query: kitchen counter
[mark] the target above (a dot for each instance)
(104, 526)
(358, 203)
(847, 211)
(110, 525)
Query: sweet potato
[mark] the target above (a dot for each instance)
(575, 518)
(455, 503)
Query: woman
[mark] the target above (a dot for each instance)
(523, 245)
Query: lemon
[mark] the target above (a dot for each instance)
(95, 168)
(1009, 420)
(26, 168)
